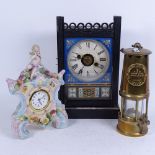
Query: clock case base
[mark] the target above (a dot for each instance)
(110, 110)
(93, 113)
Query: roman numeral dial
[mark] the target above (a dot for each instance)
(88, 60)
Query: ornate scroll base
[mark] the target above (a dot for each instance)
(20, 123)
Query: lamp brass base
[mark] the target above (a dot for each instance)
(132, 129)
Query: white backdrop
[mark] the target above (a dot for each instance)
(23, 23)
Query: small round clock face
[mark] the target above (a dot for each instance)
(88, 60)
(39, 100)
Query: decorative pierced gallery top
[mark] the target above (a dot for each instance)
(88, 26)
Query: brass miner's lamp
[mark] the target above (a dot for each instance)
(134, 92)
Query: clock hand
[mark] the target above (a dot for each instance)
(42, 97)
(39, 101)
(78, 55)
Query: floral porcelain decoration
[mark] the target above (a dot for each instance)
(38, 91)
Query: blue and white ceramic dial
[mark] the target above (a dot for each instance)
(88, 60)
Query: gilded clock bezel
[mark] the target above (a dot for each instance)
(30, 100)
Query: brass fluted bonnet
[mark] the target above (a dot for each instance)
(134, 92)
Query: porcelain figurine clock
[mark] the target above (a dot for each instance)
(38, 91)
(90, 55)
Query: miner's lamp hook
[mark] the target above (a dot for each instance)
(137, 45)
